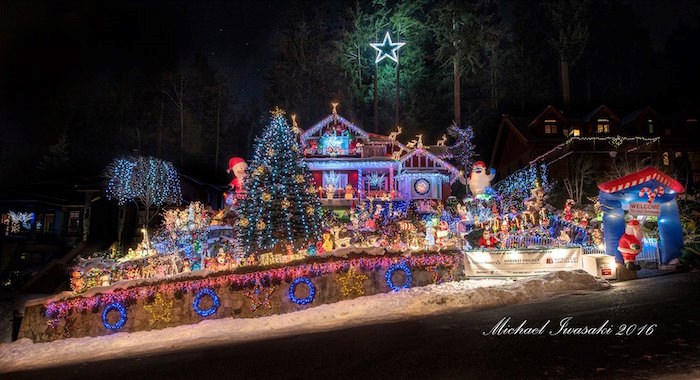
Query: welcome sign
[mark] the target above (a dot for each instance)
(648, 209)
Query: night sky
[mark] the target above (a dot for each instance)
(53, 49)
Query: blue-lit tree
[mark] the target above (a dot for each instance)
(146, 181)
(281, 205)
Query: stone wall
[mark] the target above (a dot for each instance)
(174, 308)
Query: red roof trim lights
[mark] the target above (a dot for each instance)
(644, 175)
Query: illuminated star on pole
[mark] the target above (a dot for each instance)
(387, 49)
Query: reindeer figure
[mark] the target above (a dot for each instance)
(411, 144)
(396, 155)
(420, 140)
(442, 140)
(393, 135)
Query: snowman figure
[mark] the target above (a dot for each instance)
(630, 244)
(478, 180)
(237, 165)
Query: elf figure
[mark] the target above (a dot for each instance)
(630, 244)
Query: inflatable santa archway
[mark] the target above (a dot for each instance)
(646, 192)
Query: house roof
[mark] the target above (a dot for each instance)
(334, 116)
(589, 117)
(548, 110)
(454, 172)
(645, 175)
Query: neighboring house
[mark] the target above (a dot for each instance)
(600, 137)
(349, 164)
(43, 221)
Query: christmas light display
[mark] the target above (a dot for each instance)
(198, 298)
(56, 310)
(20, 219)
(160, 310)
(293, 288)
(390, 272)
(268, 222)
(462, 151)
(615, 141)
(148, 180)
(515, 188)
(259, 297)
(352, 282)
(119, 307)
(387, 49)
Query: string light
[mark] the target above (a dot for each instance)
(255, 300)
(293, 288)
(278, 208)
(56, 310)
(352, 282)
(147, 179)
(323, 123)
(160, 310)
(197, 299)
(390, 272)
(615, 141)
(119, 307)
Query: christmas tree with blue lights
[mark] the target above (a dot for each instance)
(281, 205)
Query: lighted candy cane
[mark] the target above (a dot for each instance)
(651, 194)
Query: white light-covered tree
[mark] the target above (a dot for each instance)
(146, 181)
(462, 151)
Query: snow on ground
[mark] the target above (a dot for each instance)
(24, 354)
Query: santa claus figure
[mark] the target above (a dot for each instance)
(478, 180)
(237, 165)
(487, 241)
(630, 244)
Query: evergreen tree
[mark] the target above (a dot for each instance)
(281, 203)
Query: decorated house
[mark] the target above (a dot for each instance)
(349, 164)
(563, 141)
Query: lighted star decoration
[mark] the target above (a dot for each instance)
(352, 282)
(437, 279)
(160, 310)
(259, 297)
(387, 49)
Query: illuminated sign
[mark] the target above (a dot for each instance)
(649, 209)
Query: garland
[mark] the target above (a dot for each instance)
(58, 310)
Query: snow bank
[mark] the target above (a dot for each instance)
(24, 354)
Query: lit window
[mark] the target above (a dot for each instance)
(74, 222)
(576, 132)
(603, 126)
(651, 125)
(665, 158)
(550, 126)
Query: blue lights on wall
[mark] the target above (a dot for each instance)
(293, 288)
(117, 306)
(197, 299)
(390, 272)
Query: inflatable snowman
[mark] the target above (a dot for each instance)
(478, 180)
